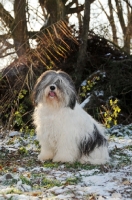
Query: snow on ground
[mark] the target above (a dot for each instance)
(23, 177)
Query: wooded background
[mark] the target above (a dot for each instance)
(35, 37)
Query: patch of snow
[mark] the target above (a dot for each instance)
(23, 187)
(119, 143)
(121, 57)
(14, 133)
(21, 169)
(99, 93)
(19, 197)
(39, 169)
(114, 184)
(85, 102)
(104, 184)
(84, 83)
(103, 74)
(88, 172)
(108, 54)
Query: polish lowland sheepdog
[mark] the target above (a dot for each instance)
(64, 130)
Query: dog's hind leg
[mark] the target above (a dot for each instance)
(66, 155)
(99, 156)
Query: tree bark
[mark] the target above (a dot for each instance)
(128, 35)
(19, 31)
(6, 17)
(82, 56)
(111, 20)
(57, 9)
(125, 28)
(120, 15)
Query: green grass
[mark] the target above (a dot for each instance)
(49, 164)
(10, 182)
(76, 165)
(79, 166)
(120, 157)
(49, 183)
(72, 180)
(25, 180)
(12, 191)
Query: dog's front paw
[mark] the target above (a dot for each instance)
(40, 157)
(43, 157)
(63, 159)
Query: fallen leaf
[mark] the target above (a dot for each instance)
(126, 182)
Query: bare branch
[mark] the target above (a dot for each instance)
(120, 16)
(31, 35)
(75, 10)
(3, 56)
(84, 36)
(5, 36)
(112, 22)
(7, 44)
(70, 4)
(128, 3)
(6, 17)
(108, 17)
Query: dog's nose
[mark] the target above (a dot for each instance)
(52, 87)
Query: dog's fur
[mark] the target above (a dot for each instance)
(65, 131)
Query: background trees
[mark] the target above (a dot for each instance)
(123, 11)
(80, 37)
(18, 27)
(17, 24)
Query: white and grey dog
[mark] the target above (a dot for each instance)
(64, 130)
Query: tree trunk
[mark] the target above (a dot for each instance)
(56, 10)
(125, 28)
(112, 22)
(20, 28)
(82, 57)
(128, 35)
(80, 23)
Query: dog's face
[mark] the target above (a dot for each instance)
(55, 89)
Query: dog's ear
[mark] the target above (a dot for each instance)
(69, 89)
(34, 95)
(37, 90)
(72, 101)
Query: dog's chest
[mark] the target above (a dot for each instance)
(52, 123)
(58, 122)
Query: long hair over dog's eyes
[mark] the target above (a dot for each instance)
(63, 82)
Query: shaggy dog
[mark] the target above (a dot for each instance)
(64, 130)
